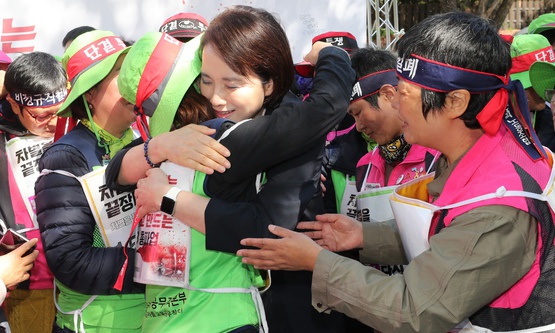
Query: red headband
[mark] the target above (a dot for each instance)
(523, 62)
(156, 69)
(91, 54)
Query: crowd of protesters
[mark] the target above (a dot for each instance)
(197, 180)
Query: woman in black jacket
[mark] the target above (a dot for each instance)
(287, 142)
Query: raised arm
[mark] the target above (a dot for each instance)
(288, 145)
(293, 128)
(290, 130)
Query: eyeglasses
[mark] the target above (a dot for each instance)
(40, 118)
(549, 94)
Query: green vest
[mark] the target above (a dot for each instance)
(173, 309)
(339, 183)
(105, 314)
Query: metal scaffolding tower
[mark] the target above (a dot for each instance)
(383, 23)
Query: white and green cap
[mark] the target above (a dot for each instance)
(87, 61)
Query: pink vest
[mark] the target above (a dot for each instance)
(412, 167)
(41, 276)
(491, 163)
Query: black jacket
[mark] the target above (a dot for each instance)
(67, 225)
(342, 154)
(287, 143)
(544, 128)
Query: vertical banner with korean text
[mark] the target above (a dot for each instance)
(113, 210)
(23, 156)
(164, 243)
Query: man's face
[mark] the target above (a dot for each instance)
(37, 120)
(380, 124)
(427, 132)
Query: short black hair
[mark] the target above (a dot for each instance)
(463, 40)
(549, 34)
(75, 32)
(35, 73)
(366, 61)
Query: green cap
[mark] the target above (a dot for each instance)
(542, 23)
(542, 75)
(87, 61)
(155, 75)
(525, 50)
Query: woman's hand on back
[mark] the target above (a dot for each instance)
(190, 146)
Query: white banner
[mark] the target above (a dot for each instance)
(23, 156)
(113, 210)
(302, 20)
(30, 25)
(164, 243)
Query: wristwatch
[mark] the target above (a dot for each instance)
(168, 201)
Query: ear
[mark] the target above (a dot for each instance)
(268, 87)
(456, 103)
(13, 104)
(89, 94)
(388, 92)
